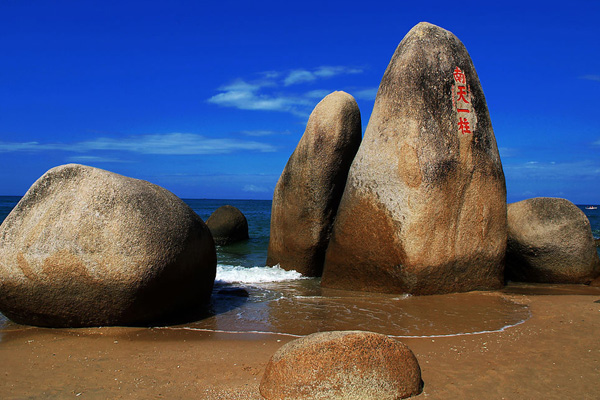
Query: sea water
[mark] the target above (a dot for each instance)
(284, 302)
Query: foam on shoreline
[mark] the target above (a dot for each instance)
(255, 332)
(245, 275)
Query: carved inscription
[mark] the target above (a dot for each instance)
(461, 102)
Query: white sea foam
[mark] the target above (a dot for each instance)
(502, 329)
(238, 274)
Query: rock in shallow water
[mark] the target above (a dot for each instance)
(87, 247)
(227, 225)
(424, 208)
(550, 241)
(342, 365)
(309, 190)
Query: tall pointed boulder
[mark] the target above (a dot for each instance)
(309, 190)
(424, 209)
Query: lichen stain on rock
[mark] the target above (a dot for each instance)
(65, 265)
(409, 168)
(24, 267)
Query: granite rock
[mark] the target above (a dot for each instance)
(309, 190)
(87, 247)
(227, 225)
(550, 241)
(342, 365)
(424, 208)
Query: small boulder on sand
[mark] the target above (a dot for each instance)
(87, 247)
(550, 241)
(228, 225)
(342, 365)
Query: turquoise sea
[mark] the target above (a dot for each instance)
(284, 302)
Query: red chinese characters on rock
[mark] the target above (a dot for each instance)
(463, 126)
(459, 76)
(461, 101)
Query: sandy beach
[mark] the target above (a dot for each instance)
(555, 354)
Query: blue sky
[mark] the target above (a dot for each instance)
(210, 99)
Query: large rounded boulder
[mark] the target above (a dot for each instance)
(87, 247)
(228, 225)
(309, 190)
(550, 241)
(342, 365)
(424, 208)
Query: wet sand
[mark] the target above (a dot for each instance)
(555, 354)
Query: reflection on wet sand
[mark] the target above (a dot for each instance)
(301, 307)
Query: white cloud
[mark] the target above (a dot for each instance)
(245, 96)
(95, 159)
(584, 169)
(265, 94)
(240, 85)
(250, 101)
(366, 94)
(591, 77)
(167, 144)
(255, 189)
(299, 76)
(271, 74)
(317, 94)
(330, 71)
(6, 147)
(259, 133)
(249, 183)
(507, 152)
(302, 75)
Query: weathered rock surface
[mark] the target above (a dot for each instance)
(424, 209)
(227, 225)
(550, 241)
(309, 190)
(87, 247)
(342, 365)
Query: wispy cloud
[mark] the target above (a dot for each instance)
(304, 75)
(249, 183)
(591, 77)
(366, 94)
(272, 91)
(166, 144)
(507, 152)
(584, 169)
(256, 189)
(317, 94)
(260, 133)
(299, 76)
(95, 159)
(245, 96)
